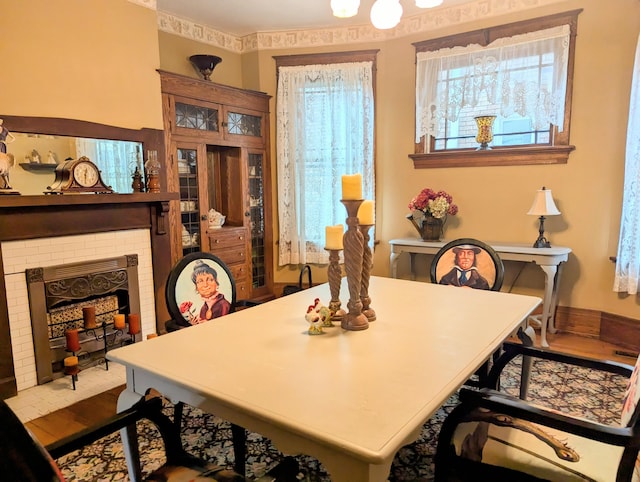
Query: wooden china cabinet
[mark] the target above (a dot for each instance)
(217, 144)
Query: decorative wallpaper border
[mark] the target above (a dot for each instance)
(430, 20)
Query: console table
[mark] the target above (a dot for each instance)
(549, 259)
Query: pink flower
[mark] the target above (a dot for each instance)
(185, 306)
(431, 203)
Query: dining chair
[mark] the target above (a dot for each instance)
(200, 288)
(25, 459)
(471, 263)
(494, 436)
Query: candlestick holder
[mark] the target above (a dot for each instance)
(367, 263)
(353, 242)
(334, 274)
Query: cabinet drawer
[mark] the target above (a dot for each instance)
(243, 290)
(225, 237)
(240, 272)
(231, 255)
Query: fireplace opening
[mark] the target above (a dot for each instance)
(57, 296)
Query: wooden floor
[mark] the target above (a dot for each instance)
(69, 420)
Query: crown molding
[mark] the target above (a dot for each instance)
(431, 20)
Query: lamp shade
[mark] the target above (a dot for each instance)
(345, 8)
(386, 14)
(543, 204)
(428, 3)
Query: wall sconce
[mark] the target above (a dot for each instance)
(542, 206)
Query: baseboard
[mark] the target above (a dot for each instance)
(607, 327)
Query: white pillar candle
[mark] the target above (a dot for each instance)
(352, 186)
(334, 236)
(366, 213)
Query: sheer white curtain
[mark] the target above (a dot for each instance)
(324, 130)
(115, 159)
(524, 74)
(628, 260)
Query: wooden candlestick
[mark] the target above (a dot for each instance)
(353, 242)
(367, 263)
(334, 274)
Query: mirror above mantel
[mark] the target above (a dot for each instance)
(39, 144)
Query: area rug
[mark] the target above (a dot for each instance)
(586, 393)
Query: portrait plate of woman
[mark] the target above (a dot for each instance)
(200, 288)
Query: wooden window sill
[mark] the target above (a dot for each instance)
(499, 156)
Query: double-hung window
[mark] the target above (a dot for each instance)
(520, 74)
(325, 129)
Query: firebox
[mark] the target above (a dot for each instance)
(57, 295)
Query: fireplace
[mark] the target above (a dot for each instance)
(57, 296)
(44, 231)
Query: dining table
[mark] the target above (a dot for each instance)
(351, 399)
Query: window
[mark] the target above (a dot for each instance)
(627, 276)
(325, 129)
(521, 73)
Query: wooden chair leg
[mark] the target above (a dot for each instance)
(239, 437)
(177, 415)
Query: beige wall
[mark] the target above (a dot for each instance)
(96, 60)
(81, 59)
(493, 201)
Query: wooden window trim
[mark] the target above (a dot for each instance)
(558, 153)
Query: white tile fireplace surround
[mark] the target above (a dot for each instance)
(17, 256)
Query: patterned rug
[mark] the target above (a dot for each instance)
(593, 395)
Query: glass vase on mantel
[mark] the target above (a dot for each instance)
(429, 228)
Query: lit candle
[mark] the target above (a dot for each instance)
(134, 324)
(89, 317)
(366, 213)
(334, 236)
(352, 186)
(118, 322)
(73, 340)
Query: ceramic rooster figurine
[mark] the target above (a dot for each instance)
(323, 311)
(315, 321)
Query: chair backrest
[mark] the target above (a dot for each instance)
(23, 456)
(200, 287)
(468, 262)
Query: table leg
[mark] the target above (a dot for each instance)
(393, 263)
(547, 302)
(412, 265)
(127, 399)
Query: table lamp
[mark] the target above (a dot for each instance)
(542, 206)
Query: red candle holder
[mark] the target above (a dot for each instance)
(134, 324)
(73, 340)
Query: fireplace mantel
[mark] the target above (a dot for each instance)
(29, 217)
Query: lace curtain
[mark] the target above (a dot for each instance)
(628, 260)
(115, 159)
(325, 117)
(524, 74)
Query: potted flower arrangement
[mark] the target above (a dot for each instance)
(429, 212)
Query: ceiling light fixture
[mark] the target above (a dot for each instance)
(428, 3)
(345, 8)
(386, 14)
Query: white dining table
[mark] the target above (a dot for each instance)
(349, 398)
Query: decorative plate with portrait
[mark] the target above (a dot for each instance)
(468, 262)
(200, 288)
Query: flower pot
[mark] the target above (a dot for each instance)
(429, 228)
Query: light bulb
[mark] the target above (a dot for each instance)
(386, 14)
(345, 8)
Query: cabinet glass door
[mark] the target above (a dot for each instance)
(256, 209)
(189, 199)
